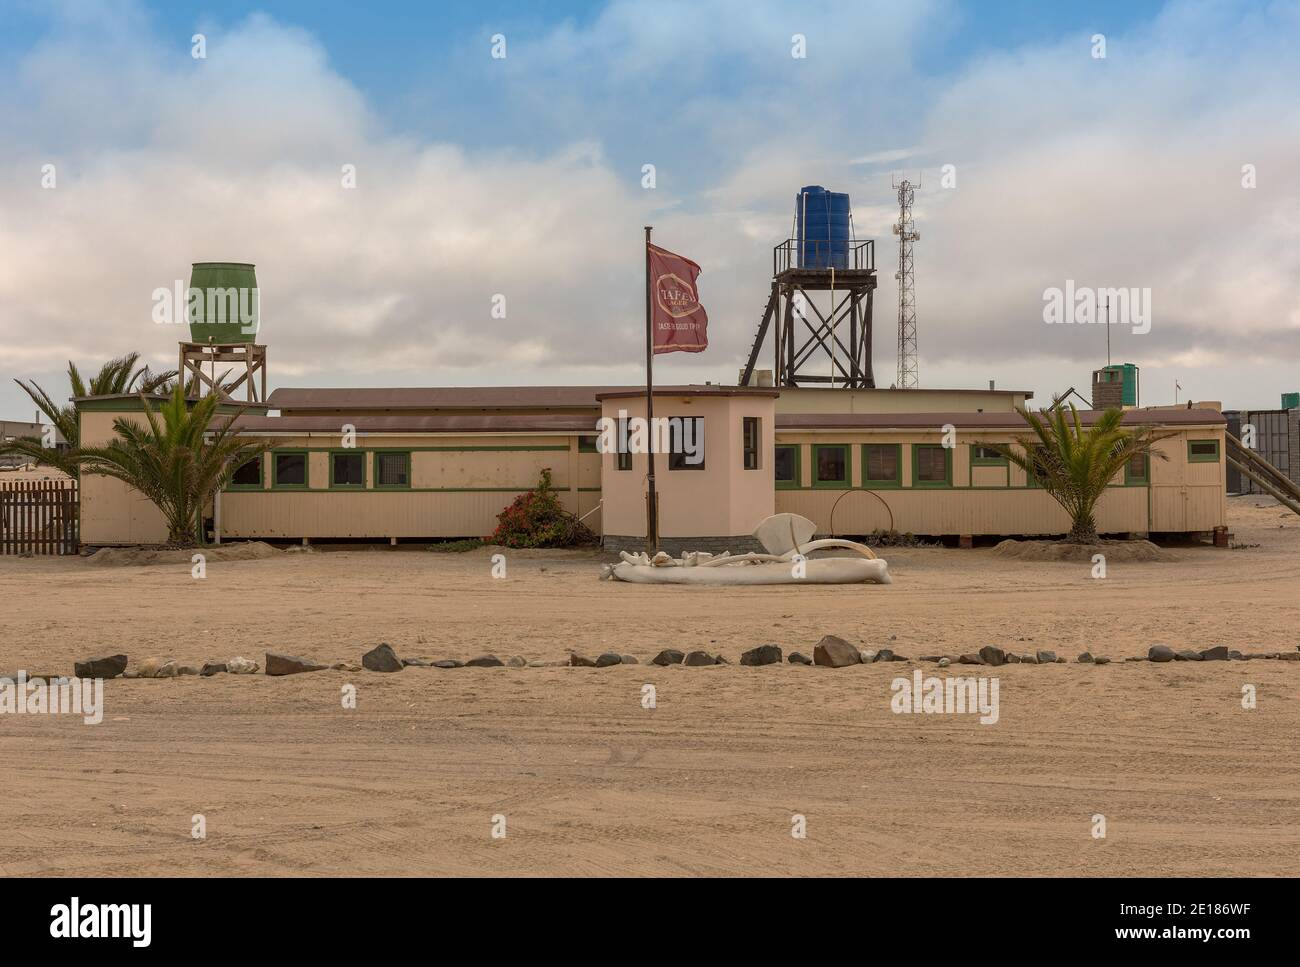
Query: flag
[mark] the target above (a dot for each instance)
(680, 323)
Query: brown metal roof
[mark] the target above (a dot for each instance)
(1001, 420)
(468, 423)
(766, 391)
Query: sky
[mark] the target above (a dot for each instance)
(1169, 166)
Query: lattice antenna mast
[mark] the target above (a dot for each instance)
(905, 229)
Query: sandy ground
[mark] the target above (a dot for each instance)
(590, 782)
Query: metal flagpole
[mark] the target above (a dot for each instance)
(652, 509)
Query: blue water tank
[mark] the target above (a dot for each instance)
(823, 228)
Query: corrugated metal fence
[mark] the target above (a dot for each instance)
(38, 517)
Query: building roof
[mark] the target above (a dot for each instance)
(415, 423)
(979, 421)
(763, 391)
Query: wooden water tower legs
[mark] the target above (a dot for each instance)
(194, 356)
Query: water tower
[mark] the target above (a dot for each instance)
(820, 306)
(224, 314)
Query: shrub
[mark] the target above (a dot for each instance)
(536, 519)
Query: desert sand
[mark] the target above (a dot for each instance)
(590, 782)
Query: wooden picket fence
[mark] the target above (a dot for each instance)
(38, 517)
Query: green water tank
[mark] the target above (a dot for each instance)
(1291, 401)
(223, 303)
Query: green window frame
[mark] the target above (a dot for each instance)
(623, 456)
(382, 456)
(985, 460)
(677, 457)
(796, 464)
(1132, 479)
(917, 449)
(877, 482)
(817, 480)
(751, 434)
(348, 452)
(587, 443)
(275, 469)
(1194, 457)
(261, 475)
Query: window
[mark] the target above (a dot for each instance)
(686, 443)
(880, 463)
(393, 470)
(624, 454)
(752, 433)
(1137, 469)
(1202, 451)
(348, 468)
(248, 476)
(586, 444)
(786, 458)
(290, 469)
(931, 465)
(986, 457)
(830, 465)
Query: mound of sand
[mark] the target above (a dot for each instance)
(1122, 551)
(140, 556)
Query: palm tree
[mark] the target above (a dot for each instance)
(116, 377)
(1075, 465)
(178, 460)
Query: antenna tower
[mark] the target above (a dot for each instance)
(908, 375)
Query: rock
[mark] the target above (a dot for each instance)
(993, 655)
(944, 662)
(1087, 659)
(1217, 653)
(1236, 656)
(631, 660)
(417, 663)
(109, 666)
(929, 657)
(770, 655)
(834, 652)
(1061, 660)
(1188, 655)
(970, 660)
(1046, 657)
(345, 666)
(1029, 659)
(669, 656)
(154, 668)
(382, 658)
(609, 658)
(277, 664)
(485, 661)
(580, 661)
(1012, 658)
(798, 658)
(885, 654)
(1101, 660)
(187, 669)
(449, 663)
(517, 661)
(1289, 656)
(211, 668)
(1160, 653)
(870, 656)
(242, 666)
(698, 659)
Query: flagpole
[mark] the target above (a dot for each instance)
(652, 509)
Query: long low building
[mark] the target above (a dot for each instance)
(434, 463)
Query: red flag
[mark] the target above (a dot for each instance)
(680, 322)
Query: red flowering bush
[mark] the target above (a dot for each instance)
(536, 519)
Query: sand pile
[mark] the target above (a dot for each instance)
(1122, 551)
(140, 556)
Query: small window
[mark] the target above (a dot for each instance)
(586, 444)
(624, 452)
(830, 465)
(931, 465)
(290, 469)
(880, 464)
(392, 470)
(348, 469)
(686, 443)
(786, 471)
(1137, 469)
(986, 457)
(1202, 451)
(248, 476)
(752, 432)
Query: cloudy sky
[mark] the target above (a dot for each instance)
(522, 176)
